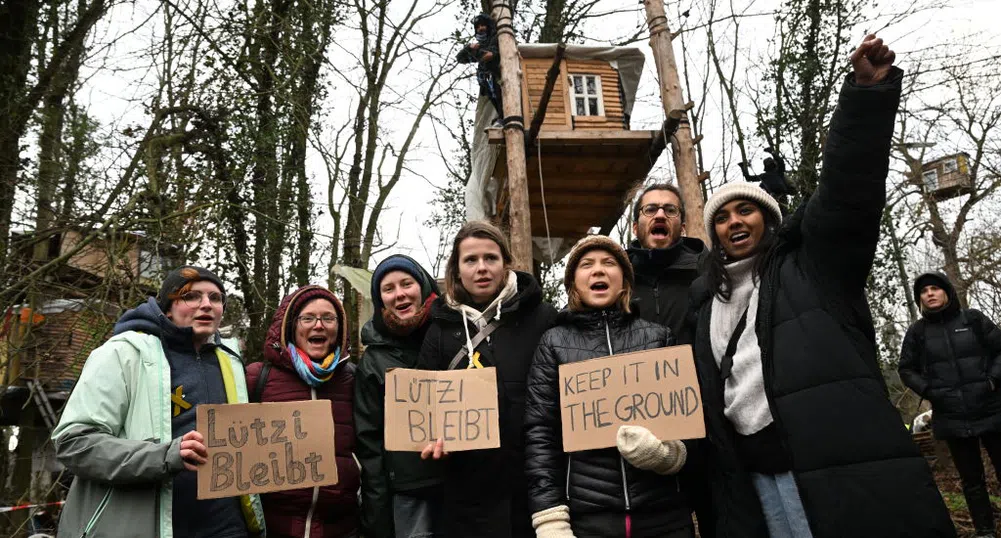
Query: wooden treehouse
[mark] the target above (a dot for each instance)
(46, 337)
(947, 177)
(582, 159)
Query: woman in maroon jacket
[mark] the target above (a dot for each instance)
(306, 358)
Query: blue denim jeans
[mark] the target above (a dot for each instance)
(417, 516)
(780, 502)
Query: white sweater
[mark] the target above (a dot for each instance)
(744, 402)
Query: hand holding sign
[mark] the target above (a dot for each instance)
(435, 450)
(193, 450)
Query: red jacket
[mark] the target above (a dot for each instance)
(335, 512)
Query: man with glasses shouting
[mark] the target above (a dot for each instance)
(666, 262)
(127, 432)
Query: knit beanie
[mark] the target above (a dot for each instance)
(598, 242)
(740, 190)
(399, 262)
(175, 281)
(934, 278)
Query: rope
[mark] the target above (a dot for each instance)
(545, 213)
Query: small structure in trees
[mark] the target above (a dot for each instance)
(582, 159)
(48, 332)
(947, 177)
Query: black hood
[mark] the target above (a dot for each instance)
(683, 255)
(488, 20)
(939, 279)
(149, 319)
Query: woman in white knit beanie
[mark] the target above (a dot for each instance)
(627, 491)
(804, 441)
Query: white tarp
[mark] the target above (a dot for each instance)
(481, 191)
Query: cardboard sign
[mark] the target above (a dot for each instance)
(263, 447)
(459, 406)
(657, 389)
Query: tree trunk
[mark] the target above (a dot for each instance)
(514, 140)
(18, 27)
(682, 144)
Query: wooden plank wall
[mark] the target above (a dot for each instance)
(613, 117)
(557, 115)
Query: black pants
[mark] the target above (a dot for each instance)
(966, 455)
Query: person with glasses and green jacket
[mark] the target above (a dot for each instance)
(306, 358)
(127, 432)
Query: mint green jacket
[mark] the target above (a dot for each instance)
(115, 437)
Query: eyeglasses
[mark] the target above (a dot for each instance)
(670, 210)
(194, 298)
(310, 320)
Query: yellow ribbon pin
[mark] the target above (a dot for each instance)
(178, 398)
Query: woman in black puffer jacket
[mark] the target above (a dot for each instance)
(952, 358)
(804, 441)
(629, 491)
(485, 492)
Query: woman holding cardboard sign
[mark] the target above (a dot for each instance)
(627, 491)
(127, 432)
(804, 439)
(306, 358)
(491, 316)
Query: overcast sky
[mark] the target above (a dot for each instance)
(110, 94)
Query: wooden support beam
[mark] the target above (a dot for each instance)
(547, 91)
(584, 138)
(670, 127)
(514, 137)
(682, 146)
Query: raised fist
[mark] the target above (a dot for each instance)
(872, 61)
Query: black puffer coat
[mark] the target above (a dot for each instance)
(486, 494)
(858, 472)
(598, 479)
(663, 276)
(951, 358)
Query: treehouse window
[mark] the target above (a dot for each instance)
(585, 93)
(931, 179)
(950, 166)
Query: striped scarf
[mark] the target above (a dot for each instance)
(312, 373)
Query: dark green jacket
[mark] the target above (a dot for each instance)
(384, 473)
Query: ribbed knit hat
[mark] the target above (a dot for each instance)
(399, 262)
(598, 242)
(740, 190)
(175, 281)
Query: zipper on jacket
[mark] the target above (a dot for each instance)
(947, 332)
(656, 297)
(622, 461)
(608, 334)
(97, 513)
(569, 459)
(625, 484)
(316, 489)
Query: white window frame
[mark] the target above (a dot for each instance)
(930, 178)
(950, 166)
(600, 112)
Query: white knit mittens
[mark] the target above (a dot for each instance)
(644, 451)
(553, 522)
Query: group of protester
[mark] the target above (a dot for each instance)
(801, 438)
